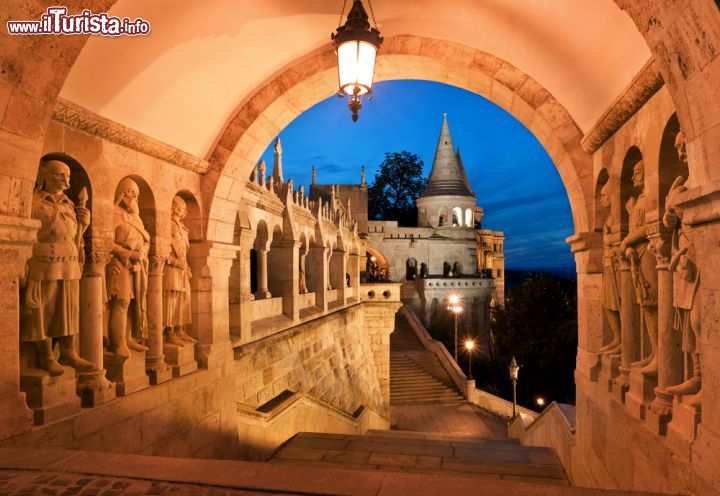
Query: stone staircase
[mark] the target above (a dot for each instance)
(404, 451)
(416, 375)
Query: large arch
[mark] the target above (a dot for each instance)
(303, 83)
(682, 35)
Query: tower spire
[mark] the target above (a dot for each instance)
(447, 176)
(314, 175)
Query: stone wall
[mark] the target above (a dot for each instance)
(329, 358)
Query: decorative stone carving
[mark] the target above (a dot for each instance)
(51, 298)
(80, 118)
(127, 274)
(635, 248)
(610, 280)
(686, 284)
(177, 314)
(645, 84)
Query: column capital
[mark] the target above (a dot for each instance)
(157, 264)
(98, 254)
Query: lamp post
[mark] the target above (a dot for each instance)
(514, 368)
(456, 309)
(356, 45)
(469, 346)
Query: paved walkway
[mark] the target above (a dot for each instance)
(32, 472)
(461, 420)
(31, 483)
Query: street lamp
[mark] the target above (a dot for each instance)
(469, 346)
(514, 369)
(456, 309)
(540, 401)
(356, 45)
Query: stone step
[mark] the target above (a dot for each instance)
(418, 452)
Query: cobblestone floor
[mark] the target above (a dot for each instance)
(34, 483)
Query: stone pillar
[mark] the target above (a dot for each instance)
(317, 274)
(210, 264)
(338, 269)
(380, 323)
(262, 274)
(353, 268)
(630, 345)
(93, 387)
(285, 276)
(17, 236)
(155, 365)
(588, 248)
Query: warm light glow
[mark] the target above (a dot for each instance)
(372, 259)
(456, 309)
(454, 299)
(540, 401)
(469, 345)
(356, 67)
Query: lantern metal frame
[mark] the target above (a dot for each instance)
(356, 29)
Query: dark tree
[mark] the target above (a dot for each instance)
(538, 325)
(397, 185)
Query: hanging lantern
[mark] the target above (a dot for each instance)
(356, 45)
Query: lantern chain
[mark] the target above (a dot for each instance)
(372, 13)
(342, 11)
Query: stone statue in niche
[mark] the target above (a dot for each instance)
(610, 284)
(347, 280)
(447, 268)
(177, 314)
(127, 274)
(686, 283)
(442, 220)
(51, 299)
(423, 270)
(302, 287)
(635, 248)
(457, 270)
(410, 269)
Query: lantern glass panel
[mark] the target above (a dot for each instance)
(356, 65)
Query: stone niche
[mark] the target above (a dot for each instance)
(650, 381)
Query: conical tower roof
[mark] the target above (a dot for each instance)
(447, 177)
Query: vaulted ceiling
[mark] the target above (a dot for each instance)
(181, 83)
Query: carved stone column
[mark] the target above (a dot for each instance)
(155, 365)
(669, 353)
(93, 387)
(630, 344)
(262, 274)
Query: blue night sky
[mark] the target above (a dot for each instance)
(512, 176)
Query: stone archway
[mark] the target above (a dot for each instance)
(305, 82)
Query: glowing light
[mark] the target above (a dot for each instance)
(540, 401)
(469, 345)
